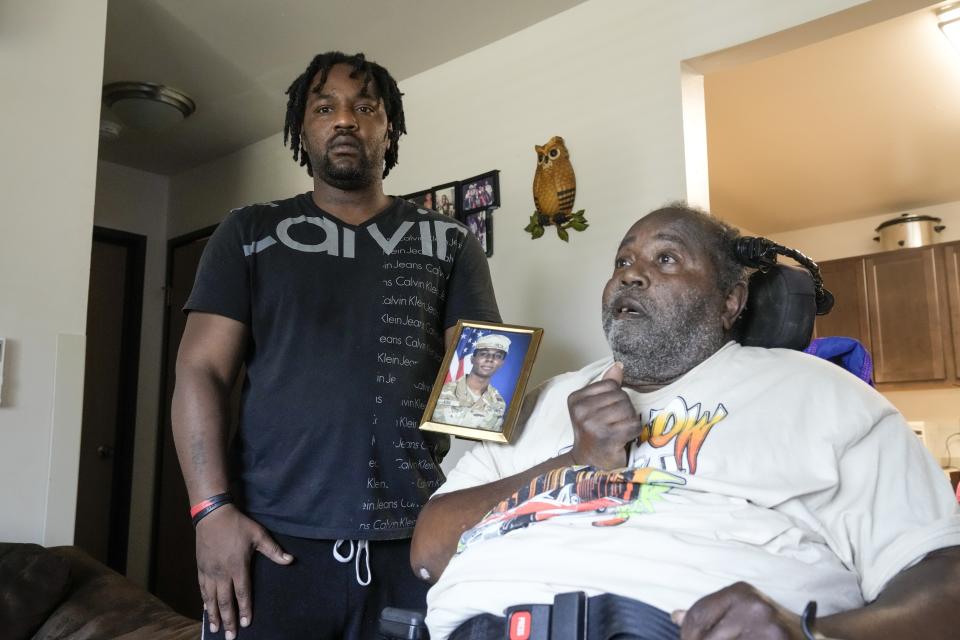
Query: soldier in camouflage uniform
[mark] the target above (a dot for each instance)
(472, 401)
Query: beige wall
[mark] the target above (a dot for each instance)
(855, 237)
(939, 408)
(260, 172)
(605, 75)
(51, 64)
(136, 201)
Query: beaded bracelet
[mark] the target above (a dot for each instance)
(204, 508)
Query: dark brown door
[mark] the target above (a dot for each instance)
(110, 395)
(907, 304)
(845, 279)
(174, 566)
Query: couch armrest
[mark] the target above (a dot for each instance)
(103, 604)
(32, 583)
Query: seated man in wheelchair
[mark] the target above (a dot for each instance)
(716, 490)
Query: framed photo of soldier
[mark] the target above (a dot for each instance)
(479, 389)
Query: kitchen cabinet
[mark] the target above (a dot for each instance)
(904, 306)
(907, 314)
(847, 282)
(951, 259)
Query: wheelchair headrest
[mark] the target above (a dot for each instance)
(781, 307)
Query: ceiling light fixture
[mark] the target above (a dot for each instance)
(147, 106)
(949, 21)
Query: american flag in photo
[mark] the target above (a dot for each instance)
(462, 360)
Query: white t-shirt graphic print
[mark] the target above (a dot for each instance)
(796, 477)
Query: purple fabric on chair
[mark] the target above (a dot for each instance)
(846, 352)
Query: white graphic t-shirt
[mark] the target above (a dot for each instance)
(763, 465)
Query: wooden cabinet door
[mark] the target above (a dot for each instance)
(951, 258)
(845, 279)
(906, 304)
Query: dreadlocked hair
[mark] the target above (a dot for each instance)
(367, 71)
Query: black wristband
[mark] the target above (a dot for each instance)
(808, 620)
(210, 505)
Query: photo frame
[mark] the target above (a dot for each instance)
(446, 199)
(480, 224)
(503, 366)
(480, 192)
(421, 198)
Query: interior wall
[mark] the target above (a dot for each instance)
(51, 66)
(605, 75)
(938, 408)
(608, 77)
(261, 172)
(136, 201)
(855, 237)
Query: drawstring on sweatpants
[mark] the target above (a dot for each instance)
(363, 547)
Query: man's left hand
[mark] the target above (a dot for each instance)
(737, 611)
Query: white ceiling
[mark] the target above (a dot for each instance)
(858, 125)
(236, 58)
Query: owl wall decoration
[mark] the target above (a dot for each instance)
(554, 190)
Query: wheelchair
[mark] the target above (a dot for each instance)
(781, 308)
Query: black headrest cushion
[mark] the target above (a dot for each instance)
(781, 307)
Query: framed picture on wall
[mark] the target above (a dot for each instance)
(479, 389)
(480, 224)
(480, 192)
(445, 199)
(421, 198)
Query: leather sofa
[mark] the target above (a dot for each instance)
(61, 593)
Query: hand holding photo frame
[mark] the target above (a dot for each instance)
(479, 389)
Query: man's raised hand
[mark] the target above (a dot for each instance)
(604, 421)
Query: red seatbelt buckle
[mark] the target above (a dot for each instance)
(528, 622)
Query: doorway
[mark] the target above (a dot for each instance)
(173, 565)
(111, 368)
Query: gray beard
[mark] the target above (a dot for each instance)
(659, 348)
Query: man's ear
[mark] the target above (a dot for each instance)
(389, 131)
(733, 304)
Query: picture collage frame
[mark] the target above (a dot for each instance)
(470, 201)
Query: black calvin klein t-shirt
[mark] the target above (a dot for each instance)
(346, 328)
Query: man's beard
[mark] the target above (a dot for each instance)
(346, 175)
(660, 345)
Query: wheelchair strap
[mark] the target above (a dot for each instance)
(573, 616)
(612, 616)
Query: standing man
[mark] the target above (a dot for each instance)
(472, 401)
(339, 303)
